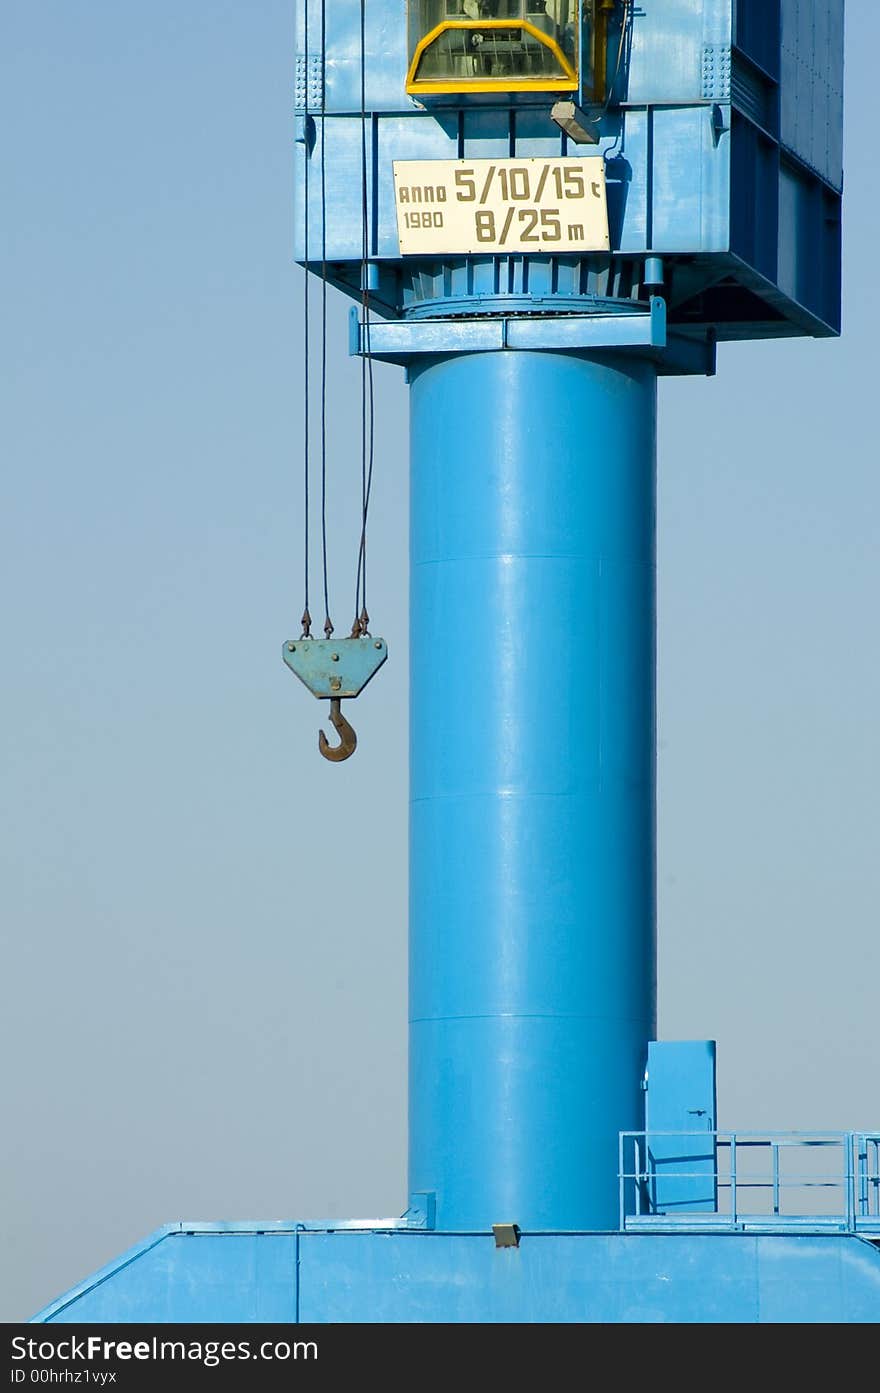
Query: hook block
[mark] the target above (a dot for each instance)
(335, 668)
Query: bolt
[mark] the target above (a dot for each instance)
(335, 683)
(378, 643)
(334, 657)
(291, 648)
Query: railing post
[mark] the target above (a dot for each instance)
(850, 1181)
(774, 1149)
(866, 1183)
(733, 1180)
(620, 1180)
(637, 1169)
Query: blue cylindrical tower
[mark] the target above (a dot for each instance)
(532, 972)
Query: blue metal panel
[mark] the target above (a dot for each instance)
(531, 134)
(532, 781)
(421, 138)
(812, 84)
(756, 33)
(667, 48)
(344, 236)
(629, 186)
(681, 1098)
(385, 68)
(754, 232)
(180, 1276)
(487, 134)
(800, 260)
(690, 181)
(595, 1278)
(230, 1276)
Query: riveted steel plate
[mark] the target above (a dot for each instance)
(335, 667)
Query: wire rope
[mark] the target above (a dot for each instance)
(306, 617)
(328, 623)
(361, 615)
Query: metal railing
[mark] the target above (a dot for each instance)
(754, 1180)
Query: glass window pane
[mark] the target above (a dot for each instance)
(469, 52)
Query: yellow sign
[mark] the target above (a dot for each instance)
(501, 206)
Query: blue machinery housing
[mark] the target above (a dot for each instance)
(723, 152)
(540, 1102)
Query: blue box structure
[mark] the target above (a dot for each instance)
(281, 1273)
(723, 149)
(540, 207)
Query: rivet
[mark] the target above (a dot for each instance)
(378, 643)
(334, 657)
(335, 683)
(291, 648)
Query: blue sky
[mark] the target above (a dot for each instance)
(204, 925)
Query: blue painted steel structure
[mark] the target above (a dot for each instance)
(335, 667)
(681, 1117)
(531, 781)
(533, 389)
(723, 151)
(279, 1272)
(760, 1182)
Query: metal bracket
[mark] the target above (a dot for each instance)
(641, 332)
(335, 668)
(422, 1210)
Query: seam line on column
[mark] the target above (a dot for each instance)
(535, 1016)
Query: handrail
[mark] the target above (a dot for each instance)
(718, 1178)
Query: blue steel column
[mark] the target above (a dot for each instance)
(532, 952)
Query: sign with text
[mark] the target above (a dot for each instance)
(499, 206)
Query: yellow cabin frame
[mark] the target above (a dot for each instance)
(566, 82)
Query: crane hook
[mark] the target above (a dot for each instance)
(347, 738)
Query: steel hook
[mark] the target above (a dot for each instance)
(347, 738)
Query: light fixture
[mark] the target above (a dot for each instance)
(575, 123)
